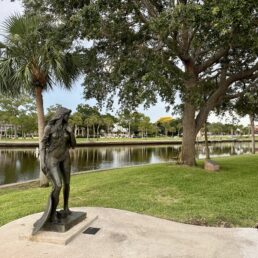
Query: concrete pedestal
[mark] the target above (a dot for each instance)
(61, 233)
(66, 223)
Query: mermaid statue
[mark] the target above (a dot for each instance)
(58, 138)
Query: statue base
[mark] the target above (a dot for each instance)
(64, 224)
(55, 237)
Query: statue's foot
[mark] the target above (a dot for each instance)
(67, 212)
(54, 219)
(64, 213)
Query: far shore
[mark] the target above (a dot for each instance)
(82, 142)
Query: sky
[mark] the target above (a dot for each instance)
(71, 99)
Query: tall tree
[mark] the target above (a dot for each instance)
(248, 105)
(125, 119)
(108, 121)
(33, 59)
(142, 49)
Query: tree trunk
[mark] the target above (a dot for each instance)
(98, 131)
(43, 180)
(207, 150)
(76, 131)
(15, 132)
(129, 129)
(93, 128)
(189, 135)
(252, 132)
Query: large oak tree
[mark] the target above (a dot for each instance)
(145, 49)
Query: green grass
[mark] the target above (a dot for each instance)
(179, 193)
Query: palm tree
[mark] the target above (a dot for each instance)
(94, 120)
(32, 60)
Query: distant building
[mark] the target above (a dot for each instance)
(256, 129)
(119, 131)
(5, 128)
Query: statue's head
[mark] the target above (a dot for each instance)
(62, 113)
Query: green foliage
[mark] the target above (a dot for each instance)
(247, 104)
(137, 45)
(33, 55)
(226, 129)
(20, 113)
(167, 125)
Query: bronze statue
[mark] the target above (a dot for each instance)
(55, 161)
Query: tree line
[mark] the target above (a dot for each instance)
(18, 118)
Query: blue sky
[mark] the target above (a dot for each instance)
(71, 99)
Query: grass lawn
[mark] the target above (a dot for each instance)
(179, 193)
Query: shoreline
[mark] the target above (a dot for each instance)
(117, 143)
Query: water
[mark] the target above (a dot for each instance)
(17, 165)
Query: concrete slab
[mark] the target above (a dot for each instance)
(127, 234)
(61, 238)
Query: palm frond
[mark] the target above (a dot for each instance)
(33, 53)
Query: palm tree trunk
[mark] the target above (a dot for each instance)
(98, 130)
(129, 129)
(43, 180)
(93, 128)
(15, 132)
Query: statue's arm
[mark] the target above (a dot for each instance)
(43, 145)
(72, 137)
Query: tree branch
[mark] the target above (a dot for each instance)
(245, 74)
(213, 59)
(150, 8)
(219, 94)
(213, 100)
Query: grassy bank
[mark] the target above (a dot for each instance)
(102, 139)
(190, 195)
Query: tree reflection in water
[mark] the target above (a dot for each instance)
(18, 165)
(22, 164)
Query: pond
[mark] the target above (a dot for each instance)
(17, 165)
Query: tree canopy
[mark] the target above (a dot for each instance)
(144, 49)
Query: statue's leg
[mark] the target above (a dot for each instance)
(66, 172)
(55, 177)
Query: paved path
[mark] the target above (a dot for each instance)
(127, 234)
